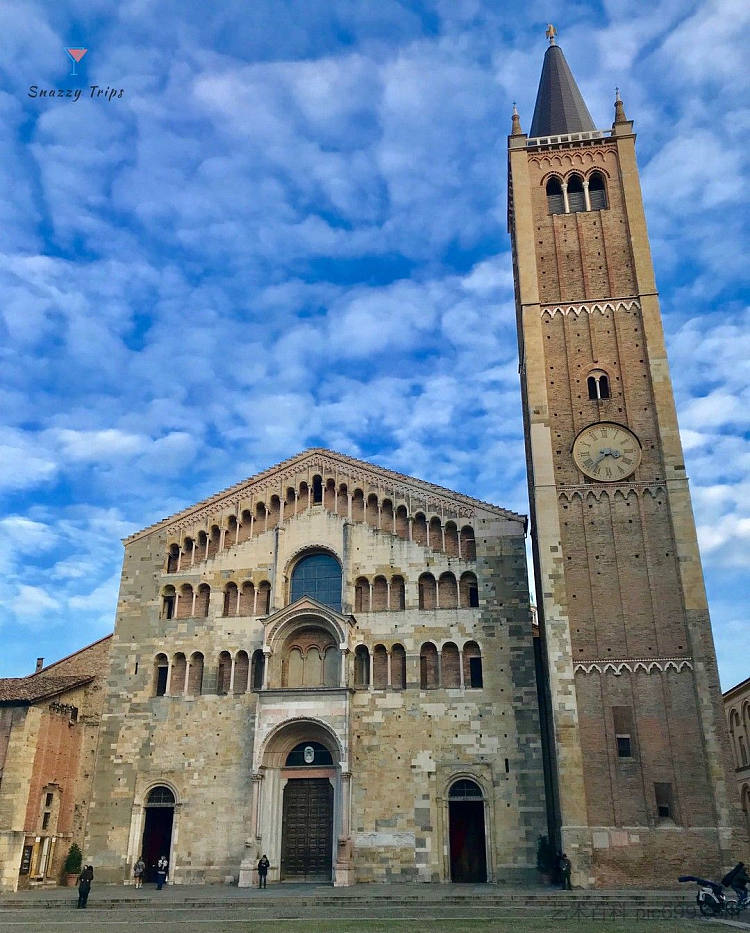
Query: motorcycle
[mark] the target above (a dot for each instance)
(711, 898)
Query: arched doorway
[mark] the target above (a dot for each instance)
(467, 833)
(307, 814)
(157, 829)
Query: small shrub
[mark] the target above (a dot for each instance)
(73, 860)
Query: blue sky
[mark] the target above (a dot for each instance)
(290, 231)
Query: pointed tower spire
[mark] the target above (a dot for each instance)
(559, 108)
(619, 108)
(516, 122)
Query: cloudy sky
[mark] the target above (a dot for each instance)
(289, 231)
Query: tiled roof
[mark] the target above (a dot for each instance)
(41, 686)
(560, 108)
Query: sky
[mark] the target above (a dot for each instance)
(289, 230)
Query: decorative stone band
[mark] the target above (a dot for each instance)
(591, 307)
(632, 665)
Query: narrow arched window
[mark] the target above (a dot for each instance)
(263, 601)
(597, 192)
(402, 522)
(185, 602)
(258, 672)
(379, 594)
(202, 600)
(177, 680)
(598, 386)
(450, 669)
(436, 534)
(247, 599)
(468, 543)
(230, 533)
(398, 667)
(379, 667)
(361, 666)
(342, 500)
(362, 595)
(161, 671)
(214, 541)
(576, 197)
(555, 202)
(167, 608)
(195, 674)
(451, 539)
(427, 592)
(428, 666)
(469, 592)
(472, 665)
(173, 558)
(230, 599)
(224, 674)
(241, 672)
(371, 511)
(447, 591)
(317, 496)
(398, 593)
(358, 506)
(419, 529)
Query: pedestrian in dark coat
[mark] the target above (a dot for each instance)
(263, 866)
(84, 885)
(565, 871)
(162, 867)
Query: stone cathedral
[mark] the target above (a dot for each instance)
(334, 664)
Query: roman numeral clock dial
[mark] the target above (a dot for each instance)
(607, 452)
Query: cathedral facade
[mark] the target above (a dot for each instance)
(333, 664)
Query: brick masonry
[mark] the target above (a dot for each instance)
(618, 569)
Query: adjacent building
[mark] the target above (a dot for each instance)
(737, 711)
(49, 728)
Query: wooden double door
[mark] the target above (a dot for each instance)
(307, 830)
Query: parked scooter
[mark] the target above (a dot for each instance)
(712, 899)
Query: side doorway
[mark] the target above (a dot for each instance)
(468, 852)
(157, 829)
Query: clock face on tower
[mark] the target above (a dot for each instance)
(607, 452)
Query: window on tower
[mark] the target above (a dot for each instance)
(598, 386)
(555, 201)
(576, 197)
(597, 192)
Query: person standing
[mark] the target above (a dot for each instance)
(162, 867)
(84, 885)
(263, 866)
(565, 871)
(138, 870)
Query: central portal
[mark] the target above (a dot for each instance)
(307, 830)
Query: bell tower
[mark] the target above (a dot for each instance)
(639, 762)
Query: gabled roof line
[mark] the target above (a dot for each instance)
(230, 491)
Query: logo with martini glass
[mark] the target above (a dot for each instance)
(75, 55)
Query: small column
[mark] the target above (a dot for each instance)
(192, 608)
(168, 685)
(179, 558)
(388, 681)
(192, 554)
(237, 527)
(266, 666)
(461, 667)
(372, 669)
(586, 194)
(344, 652)
(344, 874)
(231, 675)
(349, 505)
(409, 523)
(566, 204)
(176, 602)
(222, 537)
(388, 594)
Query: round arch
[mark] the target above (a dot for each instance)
(316, 572)
(288, 734)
